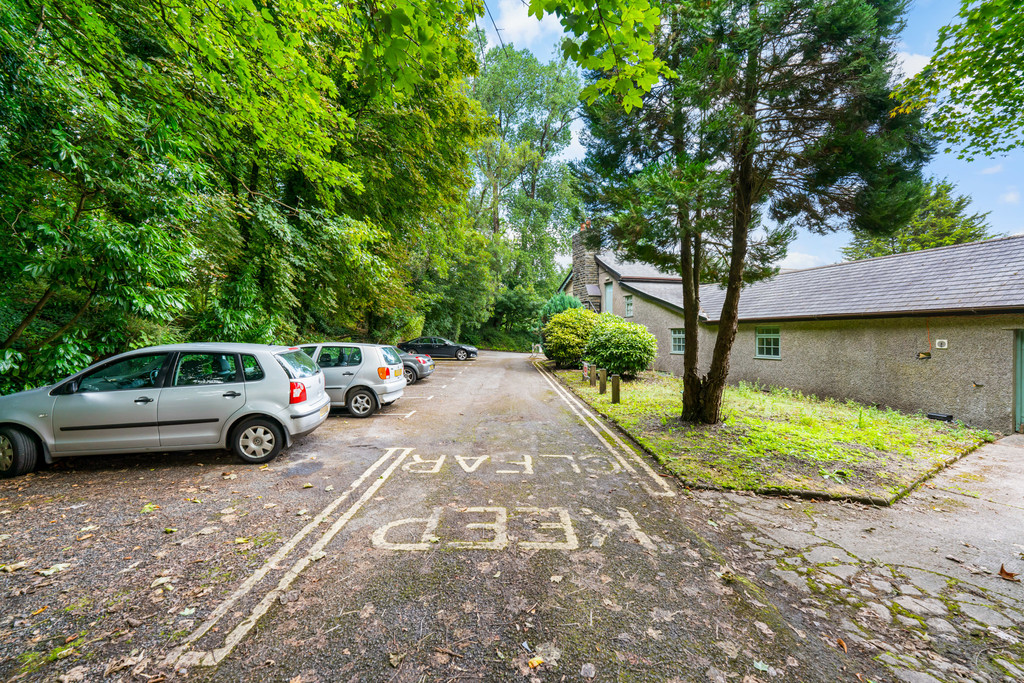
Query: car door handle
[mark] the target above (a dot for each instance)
(231, 394)
(346, 374)
(144, 399)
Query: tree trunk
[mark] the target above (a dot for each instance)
(27, 320)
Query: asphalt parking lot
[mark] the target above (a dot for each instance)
(486, 526)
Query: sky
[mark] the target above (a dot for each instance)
(995, 184)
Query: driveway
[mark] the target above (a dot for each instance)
(484, 527)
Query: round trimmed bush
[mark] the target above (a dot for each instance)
(555, 305)
(621, 347)
(566, 335)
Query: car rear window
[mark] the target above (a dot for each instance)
(297, 364)
(391, 356)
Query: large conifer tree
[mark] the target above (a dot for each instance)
(779, 110)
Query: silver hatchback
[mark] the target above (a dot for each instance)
(360, 377)
(250, 398)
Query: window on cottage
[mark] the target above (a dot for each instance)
(678, 340)
(768, 342)
(629, 305)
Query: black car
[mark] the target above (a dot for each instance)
(439, 347)
(417, 366)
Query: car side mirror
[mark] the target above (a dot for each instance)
(71, 387)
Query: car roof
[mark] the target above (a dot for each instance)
(345, 343)
(229, 347)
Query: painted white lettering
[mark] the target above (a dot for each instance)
(465, 462)
(564, 525)
(427, 538)
(526, 462)
(626, 523)
(419, 465)
(499, 527)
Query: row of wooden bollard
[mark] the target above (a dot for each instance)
(600, 376)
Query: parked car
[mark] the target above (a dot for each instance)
(250, 398)
(360, 377)
(439, 347)
(417, 366)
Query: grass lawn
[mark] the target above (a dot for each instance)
(782, 441)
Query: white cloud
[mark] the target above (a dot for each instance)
(518, 27)
(1011, 196)
(992, 170)
(911, 63)
(796, 260)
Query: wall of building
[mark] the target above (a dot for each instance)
(584, 272)
(871, 361)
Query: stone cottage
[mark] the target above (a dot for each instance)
(938, 331)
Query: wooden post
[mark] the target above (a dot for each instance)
(603, 375)
(586, 367)
(615, 388)
(593, 375)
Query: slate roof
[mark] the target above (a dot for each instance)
(965, 278)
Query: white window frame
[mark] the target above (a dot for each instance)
(768, 333)
(628, 299)
(677, 333)
(606, 305)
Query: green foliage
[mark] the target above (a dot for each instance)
(614, 37)
(623, 348)
(779, 109)
(488, 337)
(515, 310)
(556, 304)
(941, 220)
(566, 335)
(974, 79)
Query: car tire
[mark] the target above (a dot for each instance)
(18, 453)
(361, 403)
(410, 375)
(257, 441)
(461, 354)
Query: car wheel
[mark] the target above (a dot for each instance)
(362, 403)
(410, 375)
(461, 354)
(18, 453)
(257, 441)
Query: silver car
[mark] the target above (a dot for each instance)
(250, 398)
(360, 377)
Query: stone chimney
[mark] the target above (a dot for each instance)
(584, 271)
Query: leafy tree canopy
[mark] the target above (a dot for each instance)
(941, 220)
(974, 79)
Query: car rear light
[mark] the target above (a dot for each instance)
(297, 393)
(423, 361)
(384, 373)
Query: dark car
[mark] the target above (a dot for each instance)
(417, 366)
(439, 347)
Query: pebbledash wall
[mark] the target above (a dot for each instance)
(869, 360)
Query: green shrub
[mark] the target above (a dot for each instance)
(555, 305)
(621, 347)
(566, 335)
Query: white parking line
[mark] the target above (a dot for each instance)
(181, 654)
(400, 415)
(592, 423)
(410, 398)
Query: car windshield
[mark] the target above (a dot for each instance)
(297, 364)
(391, 355)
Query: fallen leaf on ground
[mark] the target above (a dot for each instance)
(41, 610)
(240, 540)
(170, 530)
(842, 644)
(264, 467)
(148, 508)
(396, 659)
(13, 567)
(329, 488)
(1008, 576)
(53, 570)
(302, 512)
(229, 475)
(160, 581)
(91, 527)
(307, 486)
(267, 506)
(556, 579)
(535, 662)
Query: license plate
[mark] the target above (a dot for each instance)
(326, 409)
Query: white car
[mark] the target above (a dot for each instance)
(250, 398)
(360, 377)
